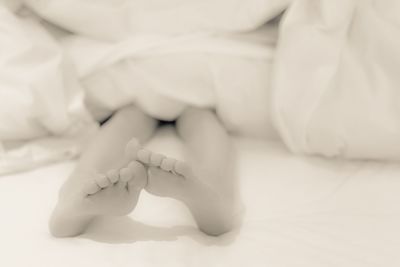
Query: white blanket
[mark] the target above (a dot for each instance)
(165, 55)
(332, 84)
(197, 59)
(40, 97)
(163, 74)
(117, 19)
(336, 84)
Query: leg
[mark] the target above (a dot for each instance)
(212, 160)
(205, 182)
(83, 195)
(107, 149)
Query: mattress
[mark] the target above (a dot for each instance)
(300, 211)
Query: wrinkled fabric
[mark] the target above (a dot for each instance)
(328, 82)
(39, 93)
(336, 78)
(164, 74)
(12, 5)
(117, 19)
(164, 56)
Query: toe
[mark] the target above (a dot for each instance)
(132, 148)
(156, 159)
(139, 180)
(182, 168)
(144, 156)
(91, 188)
(126, 174)
(113, 176)
(136, 167)
(168, 164)
(102, 181)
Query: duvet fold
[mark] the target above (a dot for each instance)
(336, 79)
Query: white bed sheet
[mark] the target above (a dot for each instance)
(300, 212)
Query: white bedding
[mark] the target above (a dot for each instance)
(42, 114)
(47, 73)
(336, 78)
(134, 17)
(327, 84)
(300, 212)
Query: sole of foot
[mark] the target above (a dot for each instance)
(168, 177)
(115, 193)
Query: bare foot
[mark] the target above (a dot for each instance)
(116, 193)
(168, 177)
(168, 174)
(86, 196)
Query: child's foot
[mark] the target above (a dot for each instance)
(115, 194)
(168, 177)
